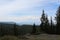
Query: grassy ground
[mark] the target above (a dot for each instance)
(32, 37)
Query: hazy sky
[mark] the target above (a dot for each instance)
(26, 11)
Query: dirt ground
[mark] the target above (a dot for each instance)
(43, 37)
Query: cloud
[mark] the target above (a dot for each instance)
(12, 6)
(19, 18)
(30, 19)
(17, 5)
(25, 10)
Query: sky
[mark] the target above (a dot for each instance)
(26, 11)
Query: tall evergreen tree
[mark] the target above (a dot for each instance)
(52, 26)
(15, 30)
(44, 22)
(47, 27)
(43, 17)
(34, 29)
(2, 33)
(51, 22)
(58, 21)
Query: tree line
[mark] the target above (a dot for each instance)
(50, 27)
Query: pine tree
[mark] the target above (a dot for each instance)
(44, 22)
(52, 26)
(51, 23)
(58, 21)
(47, 28)
(15, 30)
(2, 33)
(33, 29)
(43, 17)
